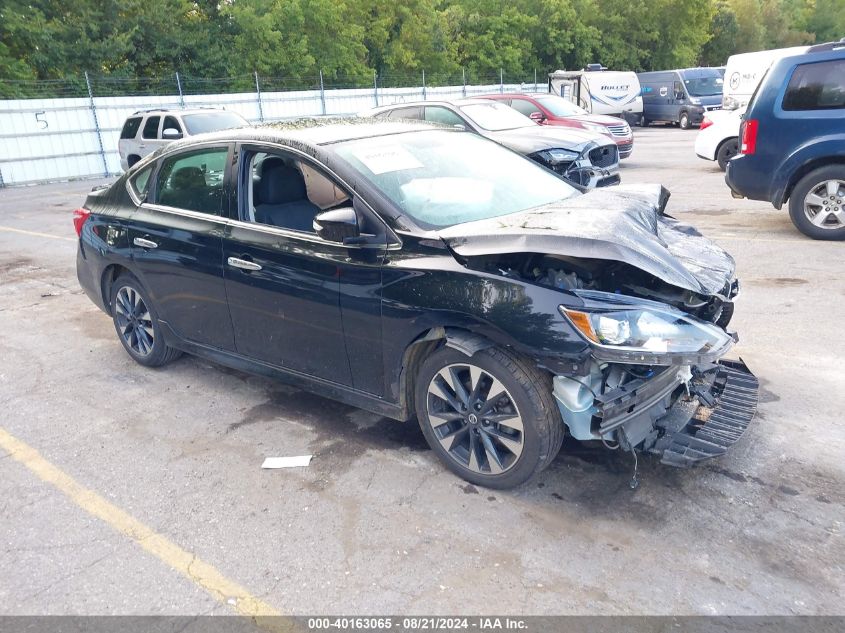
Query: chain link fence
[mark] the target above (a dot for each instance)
(65, 129)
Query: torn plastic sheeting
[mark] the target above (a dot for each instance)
(624, 225)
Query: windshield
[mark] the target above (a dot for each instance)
(212, 121)
(705, 86)
(494, 117)
(561, 107)
(442, 178)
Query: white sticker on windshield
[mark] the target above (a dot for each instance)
(386, 158)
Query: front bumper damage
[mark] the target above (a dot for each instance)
(683, 414)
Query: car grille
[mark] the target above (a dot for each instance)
(625, 148)
(619, 130)
(604, 156)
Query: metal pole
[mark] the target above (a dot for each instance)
(181, 96)
(464, 78)
(322, 93)
(535, 80)
(501, 81)
(375, 87)
(97, 125)
(258, 97)
(424, 97)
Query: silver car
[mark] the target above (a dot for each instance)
(147, 130)
(583, 157)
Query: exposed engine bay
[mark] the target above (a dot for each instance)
(608, 276)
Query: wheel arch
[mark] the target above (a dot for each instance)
(802, 171)
(109, 276)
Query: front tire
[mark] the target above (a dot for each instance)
(817, 203)
(727, 150)
(491, 419)
(683, 121)
(136, 323)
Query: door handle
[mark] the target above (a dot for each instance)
(140, 241)
(243, 264)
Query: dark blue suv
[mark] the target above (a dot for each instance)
(793, 141)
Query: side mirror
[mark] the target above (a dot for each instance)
(680, 96)
(337, 225)
(537, 117)
(171, 134)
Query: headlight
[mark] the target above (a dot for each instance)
(695, 101)
(557, 156)
(647, 334)
(598, 129)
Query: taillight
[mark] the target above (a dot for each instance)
(749, 137)
(79, 217)
(705, 122)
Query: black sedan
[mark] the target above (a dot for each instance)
(384, 265)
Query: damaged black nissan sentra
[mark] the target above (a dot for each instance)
(423, 272)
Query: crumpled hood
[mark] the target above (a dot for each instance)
(536, 138)
(625, 223)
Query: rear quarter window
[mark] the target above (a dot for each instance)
(140, 182)
(818, 86)
(130, 128)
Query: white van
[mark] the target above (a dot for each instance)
(600, 91)
(745, 71)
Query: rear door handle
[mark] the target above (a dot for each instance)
(243, 264)
(140, 241)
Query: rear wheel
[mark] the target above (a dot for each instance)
(491, 419)
(727, 150)
(683, 121)
(132, 160)
(136, 323)
(817, 203)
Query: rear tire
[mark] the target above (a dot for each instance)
(454, 397)
(683, 121)
(812, 209)
(727, 150)
(136, 323)
(132, 160)
(644, 121)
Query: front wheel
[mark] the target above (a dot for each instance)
(136, 323)
(727, 150)
(683, 122)
(491, 419)
(817, 203)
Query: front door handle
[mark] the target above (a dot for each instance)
(140, 241)
(243, 264)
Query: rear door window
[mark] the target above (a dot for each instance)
(406, 113)
(193, 181)
(151, 127)
(818, 86)
(439, 114)
(130, 128)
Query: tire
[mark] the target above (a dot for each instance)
(136, 323)
(811, 197)
(683, 121)
(504, 455)
(644, 121)
(727, 149)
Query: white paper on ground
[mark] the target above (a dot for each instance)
(286, 462)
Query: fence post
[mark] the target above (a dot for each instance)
(501, 81)
(375, 87)
(322, 93)
(181, 95)
(464, 79)
(535, 80)
(258, 97)
(424, 95)
(97, 125)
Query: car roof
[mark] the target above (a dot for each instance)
(180, 111)
(452, 102)
(312, 131)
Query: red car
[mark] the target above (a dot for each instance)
(549, 109)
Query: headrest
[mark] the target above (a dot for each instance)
(279, 183)
(188, 178)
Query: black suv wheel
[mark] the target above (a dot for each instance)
(817, 203)
(491, 419)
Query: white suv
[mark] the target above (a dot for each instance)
(147, 130)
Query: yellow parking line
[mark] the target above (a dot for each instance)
(187, 564)
(37, 234)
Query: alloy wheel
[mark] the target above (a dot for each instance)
(824, 204)
(134, 321)
(475, 419)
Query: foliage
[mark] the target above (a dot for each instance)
(350, 40)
